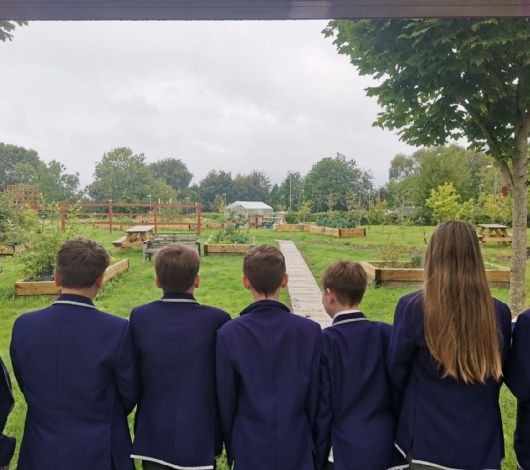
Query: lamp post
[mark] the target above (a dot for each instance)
(224, 195)
(149, 196)
(187, 202)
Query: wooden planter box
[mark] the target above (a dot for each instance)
(49, 287)
(10, 250)
(402, 277)
(339, 232)
(211, 249)
(304, 227)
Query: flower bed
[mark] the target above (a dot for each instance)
(338, 232)
(226, 249)
(49, 288)
(401, 277)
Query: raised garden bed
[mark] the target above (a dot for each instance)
(304, 227)
(49, 288)
(339, 232)
(226, 249)
(402, 277)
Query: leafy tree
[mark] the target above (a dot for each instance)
(215, 183)
(402, 166)
(10, 157)
(499, 208)
(444, 202)
(288, 194)
(56, 185)
(454, 78)
(6, 27)
(429, 168)
(334, 175)
(255, 186)
(173, 172)
(123, 177)
(376, 212)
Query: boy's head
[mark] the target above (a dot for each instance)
(177, 267)
(347, 281)
(264, 268)
(80, 262)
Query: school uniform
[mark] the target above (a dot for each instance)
(75, 366)
(443, 422)
(7, 443)
(177, 421)
(357, 407)
(518, 380)
(267, 384)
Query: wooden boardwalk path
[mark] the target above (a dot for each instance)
(305, 293)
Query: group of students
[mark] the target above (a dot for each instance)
(278, 391)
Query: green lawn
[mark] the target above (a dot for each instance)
(221, 286)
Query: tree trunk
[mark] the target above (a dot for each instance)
(520, 211)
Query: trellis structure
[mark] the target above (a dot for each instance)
(25, 194)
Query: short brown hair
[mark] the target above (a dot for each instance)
(80, 262)
(347, 280)
(264, 267)
(176, 267)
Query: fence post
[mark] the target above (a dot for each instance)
(198, 218)
(155, 214)
(110, 215)
(63, 216)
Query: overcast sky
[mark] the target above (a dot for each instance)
(232, 96)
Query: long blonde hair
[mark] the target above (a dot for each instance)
(461, 327)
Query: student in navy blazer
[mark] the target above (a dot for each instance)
(518, 380)
(448, 347)
(7, 443)
(75, 366)
(267, 374)
(177, 420)
(356, 418)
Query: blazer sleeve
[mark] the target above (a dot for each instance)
(518, 368)
(226, 394)
(14, 359)
(324, 417)
(126, 372)
(402, 344)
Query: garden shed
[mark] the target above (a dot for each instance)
(254, 211)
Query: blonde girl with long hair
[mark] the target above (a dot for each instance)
(448, 347)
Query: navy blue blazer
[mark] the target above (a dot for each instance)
(518, 380)
(7, 443)
(447, 422)
(177, 421)
(357, 407)
(75, 366)
(267, 384)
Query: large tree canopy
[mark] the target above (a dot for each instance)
(448, 79)
(331, 181)
(123, 177)
(173, 172)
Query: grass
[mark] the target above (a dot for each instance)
(221, 286)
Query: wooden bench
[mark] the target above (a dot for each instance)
(117, 243)
(156, 243)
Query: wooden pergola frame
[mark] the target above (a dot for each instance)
(256, 9)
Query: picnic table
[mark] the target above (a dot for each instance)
(494, 233)
(135, 237)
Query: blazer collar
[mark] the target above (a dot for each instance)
(73, 299)
(266, 306)
(179, 298)
(348, 316)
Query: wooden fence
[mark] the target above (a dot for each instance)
(121, 216)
